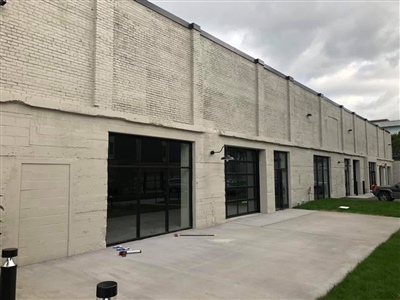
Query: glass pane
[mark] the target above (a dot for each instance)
(251, 193)
(251, 155)
(242, 181)
(326, 184)
(152, 201)
(122, 200)
(282, 160)
(231, 181)
(178, 154)
(250, 180)
(179, 210)
(250, 168)
(230, 194)
(231, 209)
(252, 205)
(154, 151)
(240, 167)
(241, 193)
(243, 207)
(285, 196)
(122, 149)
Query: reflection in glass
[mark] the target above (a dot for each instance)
(152, 201)
(149, 187)
(179, 209)
(321, 177)
(122, 204)
(241, 181)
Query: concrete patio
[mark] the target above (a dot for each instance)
(290, 254)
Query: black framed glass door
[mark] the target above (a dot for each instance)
(372, 174)
(347, 169)
(321, 177)
(149, 187)
(241, 182)
(281, 180)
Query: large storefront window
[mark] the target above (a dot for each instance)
(321, 177)
(149, 187)
(241, 182)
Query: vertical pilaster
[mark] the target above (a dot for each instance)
(377, 141)
(290, 106)
(103, 53)
(354, 132)
(197, 78)
(342, 133)
(260, 97)
(366, 136)
(384, 144)
(321, 141)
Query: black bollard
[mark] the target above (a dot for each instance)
(8, 274)
(106, 290)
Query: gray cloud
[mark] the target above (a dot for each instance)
(347, 50)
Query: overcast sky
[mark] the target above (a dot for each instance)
(347, 50)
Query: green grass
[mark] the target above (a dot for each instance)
(368, 207)
(376, 277)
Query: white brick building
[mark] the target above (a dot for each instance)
(109, 112)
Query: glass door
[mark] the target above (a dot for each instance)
(347, 176)
(281, 180)
(241, 182)
(321, 177)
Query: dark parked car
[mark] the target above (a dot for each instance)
(387, 193)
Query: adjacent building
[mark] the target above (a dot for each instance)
(121, 121)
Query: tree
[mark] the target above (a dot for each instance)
(396, 146)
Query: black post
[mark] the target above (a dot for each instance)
(106, 290)
(8, 274)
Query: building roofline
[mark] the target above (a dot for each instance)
(216, 40)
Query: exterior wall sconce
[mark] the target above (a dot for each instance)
(389, 144)
(350, 130)
(213, 152)
(309, 115)
(339, 162)
(3, 2)
(226, 158)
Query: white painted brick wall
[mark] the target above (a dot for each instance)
(229, 89)
(305, 131)
(361, 136)
(152, 64)
(331, 126)
(274, 113)
(46, 49)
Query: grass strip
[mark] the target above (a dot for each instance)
(368, 207)
(376, 277)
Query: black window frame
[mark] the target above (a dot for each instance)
(229, 188)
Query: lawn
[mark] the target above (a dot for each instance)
(376, 277)
(368, 207)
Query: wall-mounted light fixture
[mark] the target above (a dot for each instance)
(350, 130)
(309, 115)
(339, 162)
(226, 158)
(389, 144)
